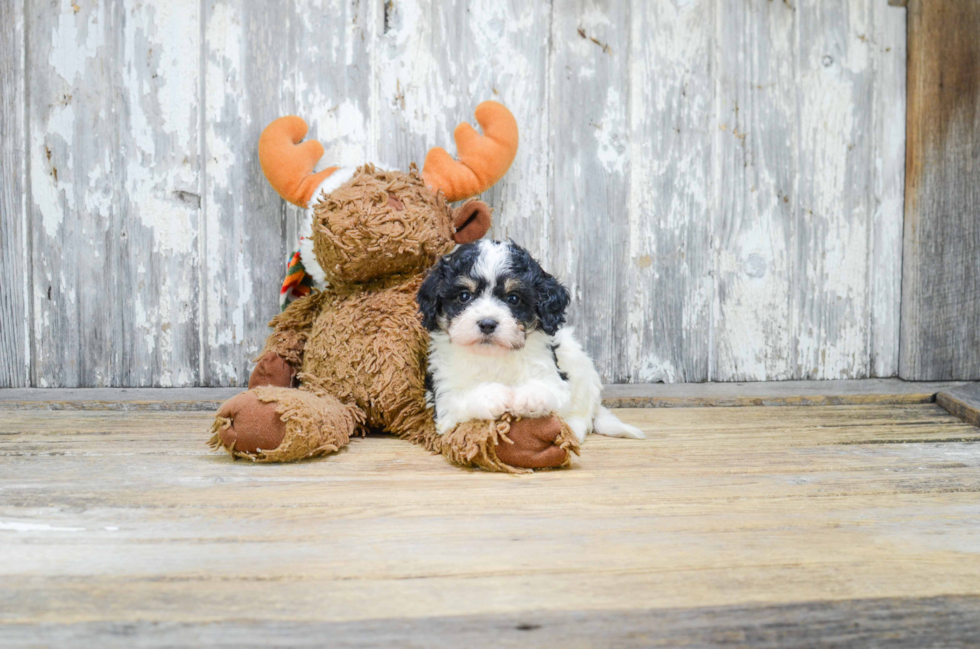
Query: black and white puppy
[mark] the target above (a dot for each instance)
(497, 344)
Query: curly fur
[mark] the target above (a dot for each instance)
(360, 234)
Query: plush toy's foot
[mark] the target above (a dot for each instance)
(282, 424)
(511, 445)
(536, 444)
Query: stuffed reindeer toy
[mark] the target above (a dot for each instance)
(348, 353)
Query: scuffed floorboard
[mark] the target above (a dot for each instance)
(791, 526)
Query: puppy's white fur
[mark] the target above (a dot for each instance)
(524, 382)
(465, 330)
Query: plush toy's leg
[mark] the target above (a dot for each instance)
(272, 424)
(511, 445)
(272, 369)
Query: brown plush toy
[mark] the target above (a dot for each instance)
(349, 354)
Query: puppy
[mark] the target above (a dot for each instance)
(497, 344)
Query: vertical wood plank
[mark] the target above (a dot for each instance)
(889, 188)
(437, 62)
(756, 180)
(330, 77)
(248, 83)
(797, 116)
(941, 273)
(15, 351)
(114, 192)
(671, 193)
(590, 232)
(835, 189)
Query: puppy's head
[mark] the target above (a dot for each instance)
(490, 296)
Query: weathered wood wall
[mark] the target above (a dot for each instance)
(719, 183)
(941, 288)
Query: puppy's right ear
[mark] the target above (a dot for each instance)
(428, 296)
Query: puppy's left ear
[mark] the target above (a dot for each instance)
(552, 301)
(428, 296)
(472, 221)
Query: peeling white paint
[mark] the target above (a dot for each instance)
(704, 133)
(51, 188)
(612, 134)
(79, 48)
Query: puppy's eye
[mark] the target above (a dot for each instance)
(464, 297)
(513, 299)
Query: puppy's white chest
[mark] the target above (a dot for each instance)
(464, 369)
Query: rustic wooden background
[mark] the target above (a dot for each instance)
(719, 183)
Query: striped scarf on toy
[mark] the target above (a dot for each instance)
(297, 283)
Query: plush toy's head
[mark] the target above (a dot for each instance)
(366, 223)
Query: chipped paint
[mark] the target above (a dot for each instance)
(718, 184)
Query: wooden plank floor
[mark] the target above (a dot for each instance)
(790, 526)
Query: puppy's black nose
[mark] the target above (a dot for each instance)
(487, 325)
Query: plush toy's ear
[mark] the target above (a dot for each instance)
(553, 299)
(472, 221)
(428, 296)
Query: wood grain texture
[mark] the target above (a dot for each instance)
(114, 199)
(670, 262)
(15, 304)
(644, 395)
(802, 290)
(719, 184)
(246, 86)
(941, 275)
(721, 517)
(590, 184)
(436, 61)
(834, 204)
(848, 624)
(755, 164)
(885, 247)
(962, 401)
(776, 393)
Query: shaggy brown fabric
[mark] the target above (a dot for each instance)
(272, 369)
(474, 443)
(511, 445)
(358, 236)
(368, 347)
(310, 424)
(291, 328)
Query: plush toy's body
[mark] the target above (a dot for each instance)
(350, 355)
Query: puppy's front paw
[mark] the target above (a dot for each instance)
(532, 403)
(491, 401)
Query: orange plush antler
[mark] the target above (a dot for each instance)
(287, 164)
(483, 159)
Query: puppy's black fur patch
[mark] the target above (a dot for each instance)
(541, 303)
(554, 355)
